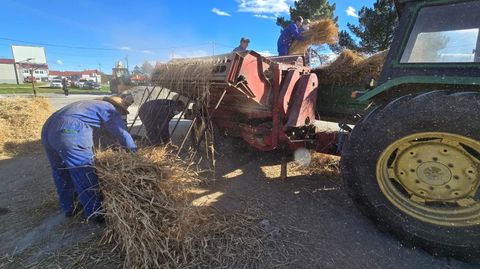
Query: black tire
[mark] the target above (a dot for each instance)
(436, 111)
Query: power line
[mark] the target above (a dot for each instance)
(98, 48)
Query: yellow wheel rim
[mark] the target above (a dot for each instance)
(433, 177)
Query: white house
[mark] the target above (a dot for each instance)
(40, 71)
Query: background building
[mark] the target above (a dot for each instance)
(7, 71)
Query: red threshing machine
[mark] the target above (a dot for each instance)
(269, 102)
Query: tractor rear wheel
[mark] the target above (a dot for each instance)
(413, 166)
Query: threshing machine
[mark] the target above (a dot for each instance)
(268, 102)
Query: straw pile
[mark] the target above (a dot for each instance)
(351, 68)
(21, 121)
(319, 32)
(148, 204)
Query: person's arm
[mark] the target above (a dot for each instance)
(116, 127)
(295, 32)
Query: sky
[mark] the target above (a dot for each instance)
(90, 34)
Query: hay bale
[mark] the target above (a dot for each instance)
(351, 68)
(188, 77)
(150, 214)
(319, 32)
(21, 122)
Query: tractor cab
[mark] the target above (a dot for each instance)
(436, 43)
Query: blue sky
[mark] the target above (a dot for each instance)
(145, 30)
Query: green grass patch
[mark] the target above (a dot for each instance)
(44, 88)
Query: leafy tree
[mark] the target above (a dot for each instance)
(309, 9)
(427, 48)
(147, 68)
(376, 27)
(137, 70)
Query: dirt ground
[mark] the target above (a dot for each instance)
(310, 212)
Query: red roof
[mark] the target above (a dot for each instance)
(139, 78)
(24, 65)
(73, 73)
(7, 61)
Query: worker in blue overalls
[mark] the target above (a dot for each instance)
(67, 137)
(291, 33)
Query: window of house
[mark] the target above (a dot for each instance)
(453, 39)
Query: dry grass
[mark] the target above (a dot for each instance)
(21, 121)
(320, 164)
(351, 68)
(188, 77)
(318, 33)
(148, 204)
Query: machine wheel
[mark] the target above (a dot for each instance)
(413, 166)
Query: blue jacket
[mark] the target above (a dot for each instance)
(288, 35)
(97, 115)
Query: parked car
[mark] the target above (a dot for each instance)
(80, 82)
(29, 80)
(56, 83)
(91, 85)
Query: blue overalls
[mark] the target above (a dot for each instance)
(288, 35)
(67, 137)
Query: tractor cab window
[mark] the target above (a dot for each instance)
(445, 34)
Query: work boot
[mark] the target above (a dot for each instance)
(96, 217)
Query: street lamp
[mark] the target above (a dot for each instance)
(31, 73)
(15, 67)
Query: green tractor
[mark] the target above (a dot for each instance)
(121, 80)
(413, 162)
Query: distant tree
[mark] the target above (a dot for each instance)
(309, 9)
(376, 27)
(427, 48)
(147, 68)
(345, 41)
(137, 70)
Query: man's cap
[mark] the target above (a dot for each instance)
(244, 39)
(121, 103)
(299, 18)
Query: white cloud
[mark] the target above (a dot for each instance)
(59, 62)
(125, 48)
(351, 11)
(148, 52)
(220, 12)
(265, 6)
(263, 16)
